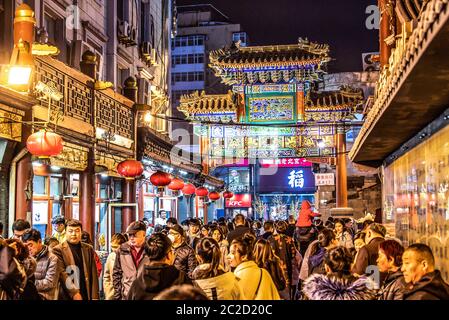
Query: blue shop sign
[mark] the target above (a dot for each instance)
(288, 180)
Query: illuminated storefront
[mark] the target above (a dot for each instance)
(416, 196)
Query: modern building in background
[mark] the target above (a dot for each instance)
(200, 29)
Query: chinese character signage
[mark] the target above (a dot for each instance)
(271, 109)
(286, 180)
(324, 179)
(285, 163)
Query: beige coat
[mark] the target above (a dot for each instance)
(250, 276)
(108, 285)
(65, 259)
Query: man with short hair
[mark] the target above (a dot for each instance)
(130, 260)
(194, 234)
(159, 273)
(185, 259)
(268, 229)
(46, 274)
(424, 282)
(59, 232)
(291, 226)
(76, 266)
(171, 222)
(368, 254)
(19, 227)
(240, 228)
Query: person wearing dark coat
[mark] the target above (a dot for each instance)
(368, 254)
(46, 274)
(390, 262)
(424, 282)
(185, 259)
(291, 226)
(240, 228)
(326, 241)
(158, 274)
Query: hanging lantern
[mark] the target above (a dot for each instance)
(130, 169)
(188, 189)
(228, 194)
(160, 180)
(201, 192)
(214, 196)
(44, 144)
(176, 185)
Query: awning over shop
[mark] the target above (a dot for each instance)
(414, 94)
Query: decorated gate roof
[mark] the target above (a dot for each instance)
(270, 64)
(323, 106)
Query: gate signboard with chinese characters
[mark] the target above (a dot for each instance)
(287, 180)
(324, 179)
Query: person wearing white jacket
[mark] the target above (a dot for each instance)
(256, 282)
(210, 275)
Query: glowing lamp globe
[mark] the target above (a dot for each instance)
(188, 189)
(44, 144)
(201, 192)
(227, 195)
(176, 185)
(130, 169)
(214, 196)
(160, 179)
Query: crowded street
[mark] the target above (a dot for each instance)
(258, 152)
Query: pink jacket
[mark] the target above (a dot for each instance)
(306, 215)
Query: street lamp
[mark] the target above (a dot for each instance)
(20, 69)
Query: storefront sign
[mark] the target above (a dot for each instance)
(239, 201)
(287, 180)
(324, 179)
(285, 163)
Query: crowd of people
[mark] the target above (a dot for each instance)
(238, 259)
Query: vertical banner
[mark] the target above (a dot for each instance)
(300, 103)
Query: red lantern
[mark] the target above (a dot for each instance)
(160, 180)
(188, 189)
(228, 194)
(214, 196)
(176, 185)
(44, 144)
(130, 169)
(201, 192)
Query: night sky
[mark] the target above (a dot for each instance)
(339, 23)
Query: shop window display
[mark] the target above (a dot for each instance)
(416, 197)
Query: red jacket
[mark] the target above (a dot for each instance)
(306, 215)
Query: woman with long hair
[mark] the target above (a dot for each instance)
(217, 235)
(265, 257)
(211, 277)
(326, 241)
(342, 235)
(338, 283)
(255, 281)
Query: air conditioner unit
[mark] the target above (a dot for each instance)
(370, 64)
(124, 30)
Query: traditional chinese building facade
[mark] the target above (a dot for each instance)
(405, 131)
(108, 106)
(274, 111)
